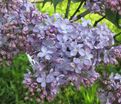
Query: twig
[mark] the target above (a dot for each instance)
(80, 15)
(67, 9)
(96, 22)
(77, 10)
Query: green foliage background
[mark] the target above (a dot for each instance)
(11, 87)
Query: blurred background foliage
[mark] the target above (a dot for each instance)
(11, 87)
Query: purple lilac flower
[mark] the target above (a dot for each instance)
(110, 93)
(100, 6)
(73, 55)
(17, 20)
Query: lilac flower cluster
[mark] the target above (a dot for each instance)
(114, 5)
(100, 5)
(116, 52)
(95, 5)
(17, 20)
(68, 53)
(111, 91)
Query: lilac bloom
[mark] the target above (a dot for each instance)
(45, 53)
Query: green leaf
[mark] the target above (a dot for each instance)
(119, 20)
(113, 17)
(75, 1)
(45, 1)
(55, 3)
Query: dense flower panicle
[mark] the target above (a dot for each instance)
(111, 91)
(113, 55)
(116, 51)
(101, 5)
(114, 5)
(68, 53)
(17, 21)
(95, 5)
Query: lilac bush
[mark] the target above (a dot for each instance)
(60, 52)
